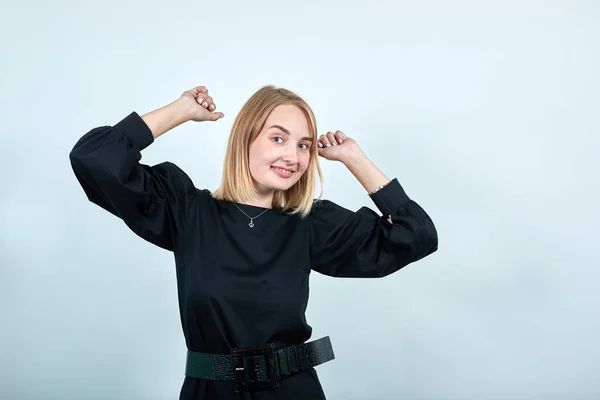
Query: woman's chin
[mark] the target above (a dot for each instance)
(281, 186)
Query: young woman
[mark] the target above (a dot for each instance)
(243, 254)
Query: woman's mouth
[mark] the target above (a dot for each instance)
(282, 172)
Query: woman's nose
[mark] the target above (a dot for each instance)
(290, 154)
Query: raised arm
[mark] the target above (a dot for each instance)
(156, 201)
(365, 244)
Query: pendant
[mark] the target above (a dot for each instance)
(251, 224)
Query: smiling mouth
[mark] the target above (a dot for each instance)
(283, 170)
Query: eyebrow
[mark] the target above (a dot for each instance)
(288, 132)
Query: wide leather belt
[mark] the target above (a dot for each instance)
(259, 367)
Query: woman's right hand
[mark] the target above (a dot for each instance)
(200, 105)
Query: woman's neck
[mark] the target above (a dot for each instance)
(261, 200)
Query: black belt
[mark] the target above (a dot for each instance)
(260, 367)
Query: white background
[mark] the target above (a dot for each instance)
(485, 111)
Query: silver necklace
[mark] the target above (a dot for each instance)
(251, 224)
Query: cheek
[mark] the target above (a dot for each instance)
(254, 162)
(257, 155)
(251, 159)
(304, 160)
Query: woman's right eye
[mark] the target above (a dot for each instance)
(277, 137)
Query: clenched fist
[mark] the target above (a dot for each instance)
(200, 105)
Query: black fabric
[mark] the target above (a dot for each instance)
(240, 286)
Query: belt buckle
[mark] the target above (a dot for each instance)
(252, 362)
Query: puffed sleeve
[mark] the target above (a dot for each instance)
(153, 201)
(365, 244)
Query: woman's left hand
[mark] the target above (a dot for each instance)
(336, 146)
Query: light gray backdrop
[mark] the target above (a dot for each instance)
(485, 111)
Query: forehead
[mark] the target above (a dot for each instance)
(290, 117)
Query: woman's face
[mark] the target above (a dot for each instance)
(280, 153)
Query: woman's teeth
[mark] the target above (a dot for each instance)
(283, 171)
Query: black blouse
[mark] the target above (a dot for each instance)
(240, 286)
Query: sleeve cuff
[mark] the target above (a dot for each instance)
(134, 127)
(390, 197)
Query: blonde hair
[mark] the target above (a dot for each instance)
(236, 183)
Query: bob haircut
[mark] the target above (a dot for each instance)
(237, 184)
